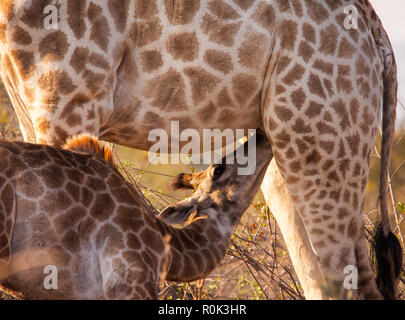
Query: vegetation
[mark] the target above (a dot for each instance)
(257, 265)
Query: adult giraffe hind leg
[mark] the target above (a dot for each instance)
(321, 114)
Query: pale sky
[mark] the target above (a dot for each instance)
(392, 15)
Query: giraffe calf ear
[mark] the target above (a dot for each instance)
(180, 215)
(181, 181)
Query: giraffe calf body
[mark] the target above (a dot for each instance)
(74, 211)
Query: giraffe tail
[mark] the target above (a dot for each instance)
(388, 260)
(387, 248)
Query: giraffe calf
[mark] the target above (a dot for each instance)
(73, 212)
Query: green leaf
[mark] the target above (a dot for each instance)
(401, 207)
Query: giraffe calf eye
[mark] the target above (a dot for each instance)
(219, 171)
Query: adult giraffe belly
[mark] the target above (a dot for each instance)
(183, 101)
(184, 79)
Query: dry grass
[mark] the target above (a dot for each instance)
(7, 294)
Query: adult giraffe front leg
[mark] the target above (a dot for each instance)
(295, 236)
(61, 80)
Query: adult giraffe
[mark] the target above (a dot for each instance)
(118, 68)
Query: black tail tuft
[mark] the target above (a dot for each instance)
(388, 262)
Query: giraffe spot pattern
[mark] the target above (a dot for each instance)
(21, 36)
(133, 241)
(243, 87)
(54, 202)
(74, 191)
(315, 86)
(145, 9)
(309, 33)
(94, 81)
(306, 51)
(79, 59)
(100, 30)
(340, 109)
(183, 46)
(244, 4)
(181, 11)
(265, 16)
(346, 50)
(43, 125)
(283, 113)
(295, 74)
(69, 114)
(323, 66)
(71, 241)
(252, 50)
(316, 11)
(201, 81)
(145, 31)
(288, 34)
(314, 109)
(103, 207)
(119, 12)
(33, 16)
(328, 40)
(54, 82)
(222, 10)
(53, 47)
(220, 33)
(76, 17)
(151, 60)
(219, 60)
(53, 176)
(167, 91)
(154, 119)
(24, 61)
(298, 98)
(30, 185)
(207, 113)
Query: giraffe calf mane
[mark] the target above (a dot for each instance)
(89, 144)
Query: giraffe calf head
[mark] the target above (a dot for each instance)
(219, 191)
